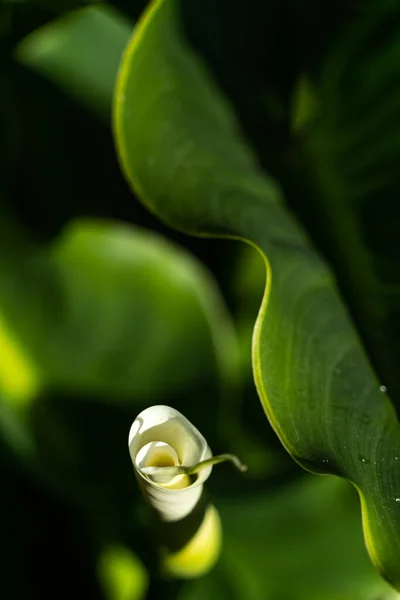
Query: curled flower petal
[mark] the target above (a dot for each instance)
(162, 437)
(168, 453)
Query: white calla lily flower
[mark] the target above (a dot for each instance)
(172, 461)
(160, 440)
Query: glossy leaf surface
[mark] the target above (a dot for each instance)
(181, 148)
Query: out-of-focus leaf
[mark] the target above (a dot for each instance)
(304, 104)
(180, 148)
(106, 318)
(303, 542)
(109, 310)
(121, 574)
(80, 52)
(352, 149)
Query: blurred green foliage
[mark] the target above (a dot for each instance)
(101, 315)
(81, 53)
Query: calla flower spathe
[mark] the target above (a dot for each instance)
(172, 460)
(162, 437)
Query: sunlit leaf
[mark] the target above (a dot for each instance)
(181, 148)
(112, 310)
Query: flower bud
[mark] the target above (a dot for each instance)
(166, 450)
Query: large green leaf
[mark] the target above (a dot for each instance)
(181, 148)
(301, 542)
(110, 310)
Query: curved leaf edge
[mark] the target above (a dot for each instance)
(127, 57)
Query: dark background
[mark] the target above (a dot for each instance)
(60, 507)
